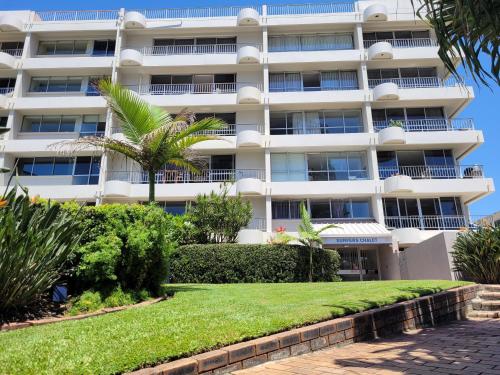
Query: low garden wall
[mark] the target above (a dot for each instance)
(425, 311)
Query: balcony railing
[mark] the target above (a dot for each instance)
(181, 176)
(322, 129)
(6, 90)
(429, 125)
(258, 223)
(432, 222)
(433, 171)
(207, 12)
(16, 52)
(404, 43)
(191, 88)
(232, 129)
(414, 82)
(78, 15)
(296, 9)
(195, 49)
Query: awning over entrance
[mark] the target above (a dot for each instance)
(355, 234)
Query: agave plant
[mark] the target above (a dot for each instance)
(477, 255)
(35, 243)
(310, 237)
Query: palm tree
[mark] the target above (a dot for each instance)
(153, 137)
(310, 237)
(466, 29)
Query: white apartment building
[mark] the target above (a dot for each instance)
(345, 106)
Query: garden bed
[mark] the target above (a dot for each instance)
(200, 317)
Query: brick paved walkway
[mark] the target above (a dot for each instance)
(468, 347)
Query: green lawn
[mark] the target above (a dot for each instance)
(198, 318)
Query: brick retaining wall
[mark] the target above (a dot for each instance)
(385, 321)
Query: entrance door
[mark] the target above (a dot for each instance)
(358, 264)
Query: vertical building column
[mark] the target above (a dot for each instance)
(358, 37)
(269, 215)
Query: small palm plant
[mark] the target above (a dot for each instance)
(153, 137)
(310, 237)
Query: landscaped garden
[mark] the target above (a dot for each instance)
(198, 317)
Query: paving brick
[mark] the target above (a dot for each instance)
(301, 348)
(239, 352)
(266, 344)
(210, 360)
(319, 343)
(255, 361)
(308, 333)
(327, 328)
(288, 338)
(279, 354)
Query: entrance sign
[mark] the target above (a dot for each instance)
(356, 240)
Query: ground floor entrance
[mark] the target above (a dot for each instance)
(359, 264)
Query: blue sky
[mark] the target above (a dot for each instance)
(485, 109)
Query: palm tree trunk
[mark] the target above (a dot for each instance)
(151, 178)
(310, 264)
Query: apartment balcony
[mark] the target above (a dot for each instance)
(468, 182)
(303, 14)
(75, 20)
(347, 93)
(193, 17)
(192, 55)
(401, 49)
(427, 222)
(308, 139)
(68, 187)
(40, 63)
(202, 94)
(428, 125)
(431, 89)
(44, 97)
(9, 58)
(184, 185)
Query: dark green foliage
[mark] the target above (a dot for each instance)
(477, 255)
(237, 263)
(124, 246)
(35, 242)
(217, 218)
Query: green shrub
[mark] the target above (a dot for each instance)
(35, 243)
(119, 298)
(217, 218)
(237, 263)
(89, 301)
(476, 255)
(124, 246)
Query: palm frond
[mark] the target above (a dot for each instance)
(466, 30)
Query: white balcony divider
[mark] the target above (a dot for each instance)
(191, 88)
(208, 12)
(17, 52)
(321, 8)
(195, 49)
(432, 222)
(258, 223)
(404, 43)
(428, 125)
(77, 15)
(415, 82)
(182, 176)
(433, 171)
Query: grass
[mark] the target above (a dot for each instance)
(198, 318)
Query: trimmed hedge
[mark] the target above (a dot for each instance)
(239, 263)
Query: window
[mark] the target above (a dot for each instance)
(327, 122)
(194, 45)
(428, 76)
(3, 122)
(198, 83)
(85, 169)
(337, 166)
(310, 42)
(421, 164)
(92, 125)
(12, 48)
(405, 38)
(340, 209)
(313, 81)
(288, 167)
(38, 124)
(228, 118)
(63, 47)
(104, 48)
(289, 209)
(7, 85)
(56, 84)
(174, 208)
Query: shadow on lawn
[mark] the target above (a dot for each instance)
(171, 289)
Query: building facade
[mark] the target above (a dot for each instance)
(344, 106)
